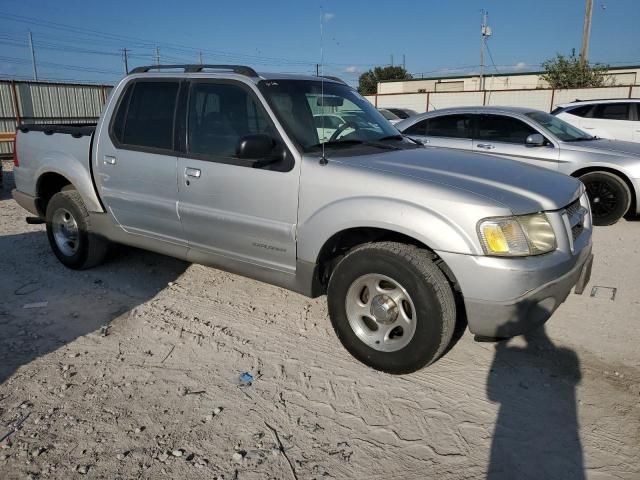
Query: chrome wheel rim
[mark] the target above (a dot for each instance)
(381, 312)
(65, 231)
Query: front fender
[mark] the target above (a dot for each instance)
(416, 221)
(74, 171)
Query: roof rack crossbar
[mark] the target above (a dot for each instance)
(239, 69)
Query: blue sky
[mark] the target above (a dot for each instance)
(81, 40)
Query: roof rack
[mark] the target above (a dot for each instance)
(605, 99)
(239, 69)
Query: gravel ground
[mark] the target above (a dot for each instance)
(130, 370)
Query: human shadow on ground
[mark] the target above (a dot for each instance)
(44, 305)
(536, 434)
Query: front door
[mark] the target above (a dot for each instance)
(136, 165)
(505, 136)
(228, 206)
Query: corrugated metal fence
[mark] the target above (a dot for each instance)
(44, 102)
(541, 99)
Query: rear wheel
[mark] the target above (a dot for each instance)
(69, 232)
(609, 196)
(391, 306)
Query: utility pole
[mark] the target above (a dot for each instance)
(485, 32)
(586, 32)
(404, 63)
(125, 51)
(157, 55)
(392, 59)
(200, 58)
(317, 69)
(33, 57)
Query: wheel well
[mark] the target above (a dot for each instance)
(48, 185)
(615, 172)
(340, 243)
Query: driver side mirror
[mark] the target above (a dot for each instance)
(255, 147)
(535, 140)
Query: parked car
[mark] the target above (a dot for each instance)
(609, 169)
(392, 117)
(224, 166)
(616, 119)
(402, 113)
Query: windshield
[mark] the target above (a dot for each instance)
(559, 128)
(313, 114)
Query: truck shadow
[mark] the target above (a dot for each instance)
(536, 434)
(44, 306)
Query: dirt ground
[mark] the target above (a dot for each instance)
(130, 370)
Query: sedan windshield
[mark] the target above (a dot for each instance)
(315, 113)
(559, 128)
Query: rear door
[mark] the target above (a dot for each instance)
(227, 205)
(612, 120)
(449, 131)
(505, 136)
(136, 163)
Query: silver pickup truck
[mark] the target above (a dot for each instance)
(223, 166)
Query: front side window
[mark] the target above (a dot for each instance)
(145, 115)
(582, 111)
(500, 128)
(298, 103)
(220, 114)
(452, 126)
(612, 111)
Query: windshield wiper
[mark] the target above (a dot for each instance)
(581, 139)
(400, 137)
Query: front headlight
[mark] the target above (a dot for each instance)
(517, 236)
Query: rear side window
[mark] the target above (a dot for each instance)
(499, 128)
(612, 111)
(419, 128)
(146, 114)
(582, 111)
(452, 126)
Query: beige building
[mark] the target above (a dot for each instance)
(505, 81)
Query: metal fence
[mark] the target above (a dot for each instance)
(46, 102)
(540, 99)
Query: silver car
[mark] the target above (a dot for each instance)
(609, 169)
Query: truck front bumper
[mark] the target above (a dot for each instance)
(504, 297)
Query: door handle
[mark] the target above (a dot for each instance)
(486, 146)
(192, 172)
(109, 160)
(425, 140)
(589, 128)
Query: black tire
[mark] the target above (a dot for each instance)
(428, 288)
(89, 249)
(609, 196)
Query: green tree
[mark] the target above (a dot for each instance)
(571, 72)
(368, 83)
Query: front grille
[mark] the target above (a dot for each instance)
(576, 214)
(576, 230)
(573, 208)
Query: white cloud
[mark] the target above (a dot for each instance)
(328, 16)
(520, 66)
(352, 69)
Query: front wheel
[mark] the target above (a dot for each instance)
(609, 196)
(69, 232)
(391, 306)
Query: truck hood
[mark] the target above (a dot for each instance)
(616, 148)
(521, 188)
